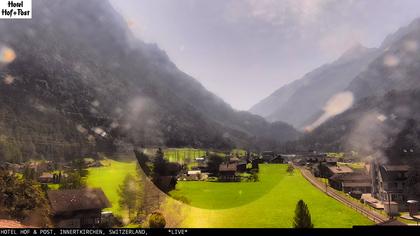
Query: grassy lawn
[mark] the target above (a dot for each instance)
(268, 203)
(53, 186)
(109, 177)
(182, 155)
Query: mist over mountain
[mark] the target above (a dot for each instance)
(301, 102)
(397, 68)
(384, 121)
(80, 83)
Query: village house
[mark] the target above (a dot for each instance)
(227, 172)
(267, 156)
(326, 171)
(46, 178)
(77, 208)
(193, 175)
(299, 161)
(351, 182)
(395, 183)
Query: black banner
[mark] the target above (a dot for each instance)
(387, 230)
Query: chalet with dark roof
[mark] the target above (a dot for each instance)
(326, 171)
(77, 208)
(350, 182)
(227, 172)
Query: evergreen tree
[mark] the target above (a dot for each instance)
(302, 217)
(159, 169)
(213, 163)
(142, 159)
(159, 165)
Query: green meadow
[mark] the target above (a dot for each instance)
(183, 155)
(109, 177)
(268, 203)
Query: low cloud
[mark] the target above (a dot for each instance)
(337, 104)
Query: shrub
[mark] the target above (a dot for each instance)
(157, 220)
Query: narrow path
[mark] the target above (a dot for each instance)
(372, 215)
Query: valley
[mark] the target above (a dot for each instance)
(101, 129)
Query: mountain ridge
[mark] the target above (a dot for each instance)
(306, 98)
(83, 84)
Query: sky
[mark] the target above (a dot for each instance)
(243, 50)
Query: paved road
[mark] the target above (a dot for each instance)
(372, 215)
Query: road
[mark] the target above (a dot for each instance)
(371, 214)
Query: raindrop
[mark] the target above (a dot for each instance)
(381, 118)
(7, 55)
(391, 61)
(8, 79)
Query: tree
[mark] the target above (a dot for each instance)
(157, 220)
(302, 217)
(79, 165)
(159, 169)
(213, 163)
(23, 200)
(73, 181)
(128, 192)
(290, 169)
(29, 173)
(159, 164)
(142, 159)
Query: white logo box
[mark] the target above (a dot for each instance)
(18, 9)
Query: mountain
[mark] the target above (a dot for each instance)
(76, 82)
(385, 126)
(397, 68)
(385, 119)
(300, 102)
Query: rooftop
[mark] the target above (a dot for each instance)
(352, 177)
(77, 199)
(340, 169)
(227, 167)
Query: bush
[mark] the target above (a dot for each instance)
(157, 220)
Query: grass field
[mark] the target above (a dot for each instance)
(109, 177)
(182, 155)
(268, 203)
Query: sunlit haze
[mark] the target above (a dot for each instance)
(245, 50)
